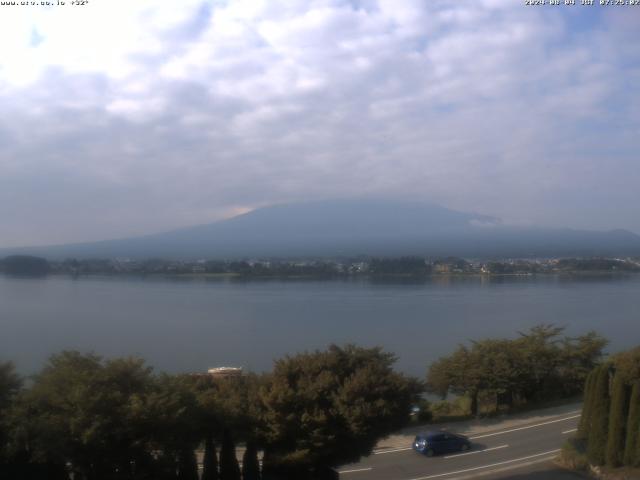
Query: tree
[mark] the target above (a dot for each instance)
(536, 366)
(499, 366)
(617, 422)
(25, 265)
(578, 357)
(541, 359)
(491, 366)
(231, 405)
(399, 266)
(597, 439)
(78, 411)
(328, 408)
(632, 442)
(587, 406)
(250, 464)
(187, 465)
(459, 373)
(210, 460)
(439, 377)
(171, 418)
(10, 384)
(229, 468)
(627, 365)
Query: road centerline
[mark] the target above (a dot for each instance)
(476, 451)
(403, 449)
(439, 475)
(524, 428)
(356, 470)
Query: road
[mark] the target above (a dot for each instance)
(493, 453)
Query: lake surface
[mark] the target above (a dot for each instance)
(190, 325)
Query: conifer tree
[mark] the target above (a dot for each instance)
(210, 461)
(585, 418)
(617, 422)
(10, 384)
(597, 439)
(632, 444)
(229, 468)
(187, 465)
(250, 464)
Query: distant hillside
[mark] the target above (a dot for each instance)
(354, 227)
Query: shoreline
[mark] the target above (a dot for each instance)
(337, 276)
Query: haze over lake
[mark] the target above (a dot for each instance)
(182, 325)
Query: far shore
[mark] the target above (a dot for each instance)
(239, 276)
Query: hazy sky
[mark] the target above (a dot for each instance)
(125, 117)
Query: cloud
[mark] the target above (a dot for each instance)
(131, 117)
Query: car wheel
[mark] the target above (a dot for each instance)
(464, 447)
(429, 452)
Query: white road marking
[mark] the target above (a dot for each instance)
(570, 431)
(504, 468)
(355, 470)
(476, 451)
(487, 466)
(392, 451)
(524, 428)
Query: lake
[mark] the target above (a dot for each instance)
(188, 325)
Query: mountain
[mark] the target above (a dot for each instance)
(354, 227)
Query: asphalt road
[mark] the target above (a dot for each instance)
(525, 447)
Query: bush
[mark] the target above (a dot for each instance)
(445, 409)
(423, 413)
(574, 455)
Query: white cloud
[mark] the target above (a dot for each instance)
(179, 112)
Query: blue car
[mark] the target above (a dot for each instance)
(431, 443)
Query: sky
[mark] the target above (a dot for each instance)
(125, 117)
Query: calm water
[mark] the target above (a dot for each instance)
(190, 325)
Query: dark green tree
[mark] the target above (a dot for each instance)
(459, 373)
(210, 460)
(231, 404)
(250, 463)
(399, 266)
(541, 357)
(492, 367)
(536, 366)
(10, 384)
(578, 357)
(327, 408)
(597, 439)
(632, 442)
(617, 422)
(78, 412)
(587, 407)
(627, 364)
(440, 377)
(229, 468)
(25, 265)
(171, 418)
(187, 465)
(500, 367)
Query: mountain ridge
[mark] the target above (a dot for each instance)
(350, 227)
